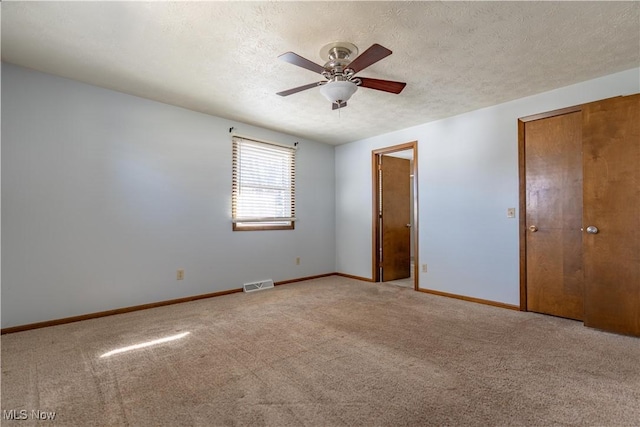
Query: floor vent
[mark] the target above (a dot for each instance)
(258, 286)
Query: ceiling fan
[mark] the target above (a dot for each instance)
(340, 70)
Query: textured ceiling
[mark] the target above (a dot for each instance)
(221, 57)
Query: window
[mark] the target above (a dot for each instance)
(263, 185)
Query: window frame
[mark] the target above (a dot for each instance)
(266, 224)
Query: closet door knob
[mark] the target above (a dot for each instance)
(592, 229)
(533, 228)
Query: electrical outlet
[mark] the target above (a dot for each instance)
(298, 261)
(180, 274)
(424, 268)
(511, 212)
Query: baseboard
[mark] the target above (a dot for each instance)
(471, 299)
(302, 279)
(114, 311)
(350, 276)
(88, 316)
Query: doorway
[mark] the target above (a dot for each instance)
(394, 215)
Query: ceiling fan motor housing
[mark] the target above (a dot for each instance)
(339, 55)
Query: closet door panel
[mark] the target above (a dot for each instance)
(553, 158)
(611, 194)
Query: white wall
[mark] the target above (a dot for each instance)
(468, 177)
(105, 195)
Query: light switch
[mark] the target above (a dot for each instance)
(511, 213)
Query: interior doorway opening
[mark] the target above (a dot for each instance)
(395, 214)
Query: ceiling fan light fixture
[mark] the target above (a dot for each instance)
(338, 91)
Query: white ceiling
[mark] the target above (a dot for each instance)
(220, 58)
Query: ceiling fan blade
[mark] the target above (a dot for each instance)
(383, 85)
(370, 56)
(297, 89)
(335, 106)
(295, 59)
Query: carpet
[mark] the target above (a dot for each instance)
(327, 352)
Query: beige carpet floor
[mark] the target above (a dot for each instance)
(326, 352)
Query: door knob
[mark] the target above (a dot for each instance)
(533, 228)
(408, 225)
(592, 229)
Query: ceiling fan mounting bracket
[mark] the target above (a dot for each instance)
(338, 55)
(339, 51)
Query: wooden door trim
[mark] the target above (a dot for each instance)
(413, 145)
(522, 205)
(552, 113)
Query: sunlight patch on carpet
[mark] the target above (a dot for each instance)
(145, 344)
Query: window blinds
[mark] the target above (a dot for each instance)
(263, 185)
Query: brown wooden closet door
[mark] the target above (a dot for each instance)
(396, 215)
(611, 147)
(553, 159)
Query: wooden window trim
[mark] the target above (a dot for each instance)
(239, 227)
